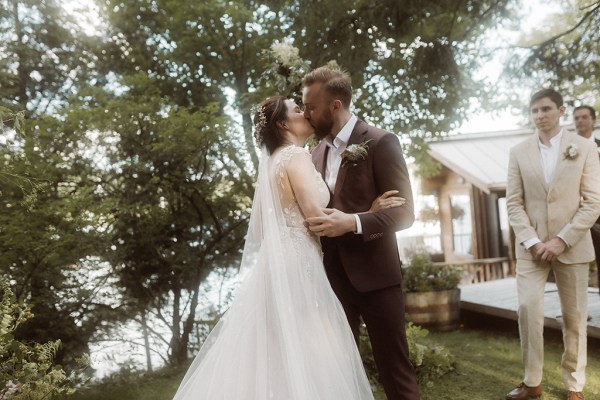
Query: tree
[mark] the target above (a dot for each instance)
(178, 205)
(565, 56)
(44, 53)
(48, 235)
(411, 62)
(48, 228)
(147, 147)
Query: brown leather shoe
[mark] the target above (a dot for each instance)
(524, 392)
(575, 396)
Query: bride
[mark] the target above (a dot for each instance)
(285, 335)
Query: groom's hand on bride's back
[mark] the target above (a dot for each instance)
(333, 223)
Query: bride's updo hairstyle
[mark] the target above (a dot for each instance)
(268, 113)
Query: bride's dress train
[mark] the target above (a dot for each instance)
(285, 335)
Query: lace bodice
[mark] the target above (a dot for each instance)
(283, 160)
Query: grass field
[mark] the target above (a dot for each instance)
(488, 365)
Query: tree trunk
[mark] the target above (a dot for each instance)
(175, 345)
(146, 342)
(248, 126)
(22, 71)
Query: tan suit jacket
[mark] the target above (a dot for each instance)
(567, 207)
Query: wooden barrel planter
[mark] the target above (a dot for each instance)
(434, 310)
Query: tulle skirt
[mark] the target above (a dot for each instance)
(285, 336)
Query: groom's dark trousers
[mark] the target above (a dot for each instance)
(383, 313)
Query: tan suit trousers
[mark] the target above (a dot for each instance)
(572, 283)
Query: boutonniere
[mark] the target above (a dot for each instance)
(571, 152)
(355, 153)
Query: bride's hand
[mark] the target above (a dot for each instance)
(387, 200)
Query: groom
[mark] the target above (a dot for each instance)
(359, 162)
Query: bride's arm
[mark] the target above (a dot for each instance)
(304, 183)
(386, 200)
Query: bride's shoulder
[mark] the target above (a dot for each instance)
(293, 158)
(291, 151)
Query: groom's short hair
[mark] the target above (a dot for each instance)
(336, 82)
(552, 94)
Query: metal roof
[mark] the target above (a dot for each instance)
(480, 158)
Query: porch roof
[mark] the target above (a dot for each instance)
(480, 158)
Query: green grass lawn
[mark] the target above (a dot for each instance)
(488, 365)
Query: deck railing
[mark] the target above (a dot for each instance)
(483, 270)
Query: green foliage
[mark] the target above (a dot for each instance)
(430, 360)
(12, 128)
(563, 53)
(50, 239)
(176, 195)
(411, 62)
(422, 276)
(16, 120)
(130, 384)
(28, 370)
(44, 54)
(429, 214)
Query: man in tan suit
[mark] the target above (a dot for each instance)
(553, 198)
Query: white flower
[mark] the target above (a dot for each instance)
(355, 152)
(571, 152)
(285, 53)
(10, 389)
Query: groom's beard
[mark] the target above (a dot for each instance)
(323, 127)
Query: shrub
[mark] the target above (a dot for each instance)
(429, 359)
(422, 276)
(27, 370)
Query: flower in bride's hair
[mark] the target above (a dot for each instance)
(355, 152)
(261, 121)
(571, 152)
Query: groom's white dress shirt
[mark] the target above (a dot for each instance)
(334, 158)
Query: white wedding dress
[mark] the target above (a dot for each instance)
(285, 336)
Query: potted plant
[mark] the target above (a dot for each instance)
(431, 293)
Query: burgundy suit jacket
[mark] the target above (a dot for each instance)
(370, 260)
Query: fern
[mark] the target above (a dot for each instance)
(27, 370)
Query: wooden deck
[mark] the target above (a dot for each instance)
(499, 298)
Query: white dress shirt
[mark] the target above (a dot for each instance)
(336, 148)
(549, 157)
(334, 159)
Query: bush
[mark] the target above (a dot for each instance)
(422, 276)
(27, 371)
(429, 359)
